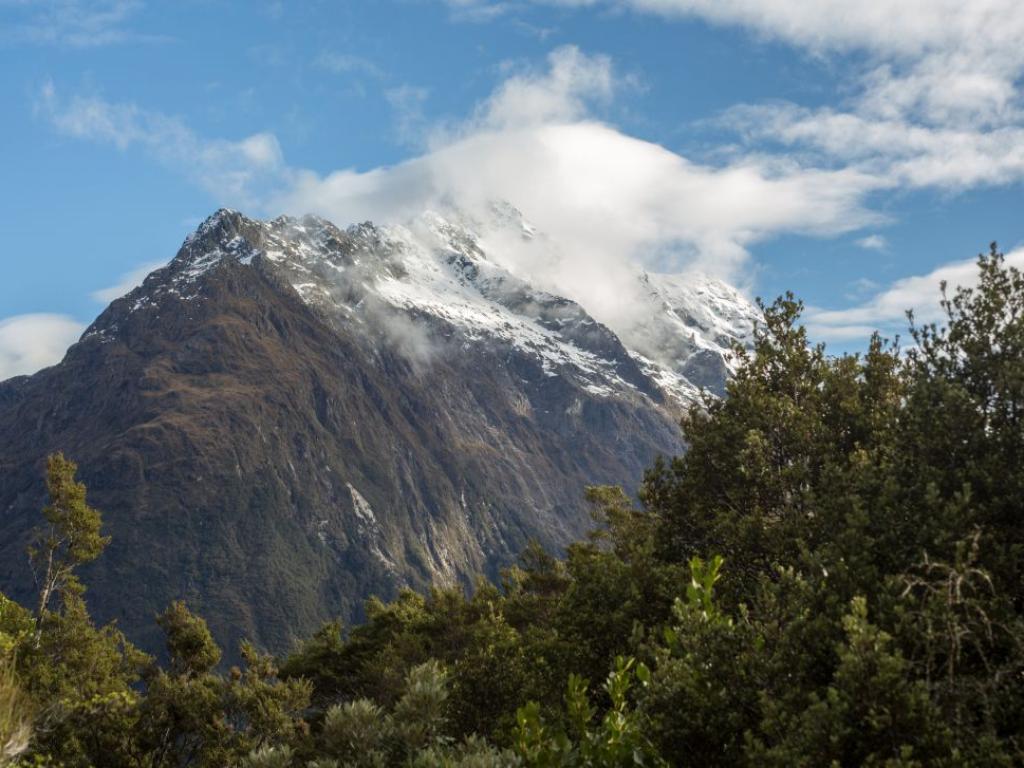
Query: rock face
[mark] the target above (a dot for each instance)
(290, 417)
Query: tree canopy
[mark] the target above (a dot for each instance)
(831, 575)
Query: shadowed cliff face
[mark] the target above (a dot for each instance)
(274, 437)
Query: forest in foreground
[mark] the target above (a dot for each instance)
(831, 575)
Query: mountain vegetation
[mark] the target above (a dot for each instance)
(831, 575)
(289, 417)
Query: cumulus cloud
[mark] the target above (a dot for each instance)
(607, 201)
(566, 91)
(31, 342)
(935, 103)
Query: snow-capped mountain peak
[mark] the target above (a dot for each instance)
(443, 273)
(386, 406)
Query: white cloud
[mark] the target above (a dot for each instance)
(564, 92)
(905, 153)
(933, 100)
(947, 65)
(901, 28)
(936, 102)
(886, 310)
(127, 282)
(607, 200)
(348, 64)
(480, 11)
(873, 243)
(236, 170)
(31, 342)
(407, 103)
(71, 23)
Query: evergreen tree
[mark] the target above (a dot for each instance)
(70, 538)
(831, 575)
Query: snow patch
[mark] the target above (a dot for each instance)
(438, 265)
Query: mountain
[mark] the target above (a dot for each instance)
(289, 417)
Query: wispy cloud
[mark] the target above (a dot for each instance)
(31, 342)
(348, 64)
(607, 200)
(480, 10)
(483, 11)
(936, 101)
(407, 102)
(909, 154)
(127, 282)
(886, 309)
(873, 243)
(71, 23)
(933, 62)
(239, 170)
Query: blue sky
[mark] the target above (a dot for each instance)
(855, 153)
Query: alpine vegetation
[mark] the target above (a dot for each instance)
(289, 417)
(830, 574)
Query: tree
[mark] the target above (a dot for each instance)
(191, 647)
(70, 538)
(193, 716)
(778, 467)
(363, 734)
(81, 678)
(965, 415)
(873, 712)
(617, 738)
(731, 604)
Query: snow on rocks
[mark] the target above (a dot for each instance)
(438, 266)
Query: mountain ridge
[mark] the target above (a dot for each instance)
(289, 417)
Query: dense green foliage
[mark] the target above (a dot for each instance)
(831, 575)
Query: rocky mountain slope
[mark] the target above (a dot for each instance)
(289, 417)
